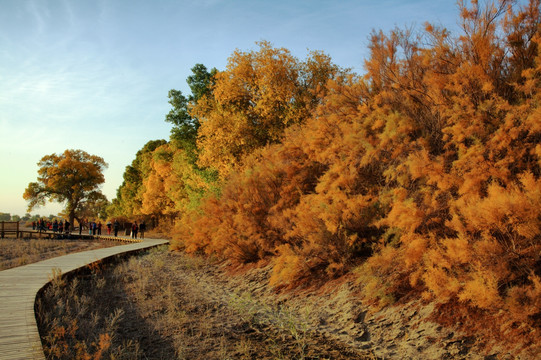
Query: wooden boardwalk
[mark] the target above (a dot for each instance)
(19, 337)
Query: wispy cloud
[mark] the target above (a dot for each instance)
(62, 72)
(40, 14)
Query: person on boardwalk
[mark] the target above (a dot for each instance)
(116, 225)
(109, 226)
(142, 228)
(99, 228)
(55, 225)
(134, 229)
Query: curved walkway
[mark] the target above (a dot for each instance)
(19, 337)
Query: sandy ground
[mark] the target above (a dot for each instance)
(336, 310)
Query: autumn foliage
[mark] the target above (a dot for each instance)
(72, 177)
(423, 174)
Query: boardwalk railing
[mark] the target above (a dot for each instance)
(13, 227)
(19, 337)
(7, 227)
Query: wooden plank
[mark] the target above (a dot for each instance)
(19, 337)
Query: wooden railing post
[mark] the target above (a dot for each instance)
(17, 235)
(2, 232)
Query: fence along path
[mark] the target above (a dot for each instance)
(19, 337)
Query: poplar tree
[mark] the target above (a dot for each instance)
(73, 177)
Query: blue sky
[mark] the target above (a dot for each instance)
(94, 75)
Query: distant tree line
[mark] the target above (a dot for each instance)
(26, 217)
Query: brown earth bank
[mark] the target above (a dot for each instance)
(166, 305)
(18, 252)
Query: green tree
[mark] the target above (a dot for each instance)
(5, 216)
(185, 125)
(73, 178)
(128, 199)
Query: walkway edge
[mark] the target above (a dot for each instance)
(19, 287)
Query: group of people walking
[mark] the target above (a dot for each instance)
(94, 228)
(54, 226)
(135, 230)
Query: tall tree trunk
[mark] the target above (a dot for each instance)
(71, 215)
(71, 219)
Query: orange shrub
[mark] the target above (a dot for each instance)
(426, 170)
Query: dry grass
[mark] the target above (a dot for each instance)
(166, 305)
(18, 252)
